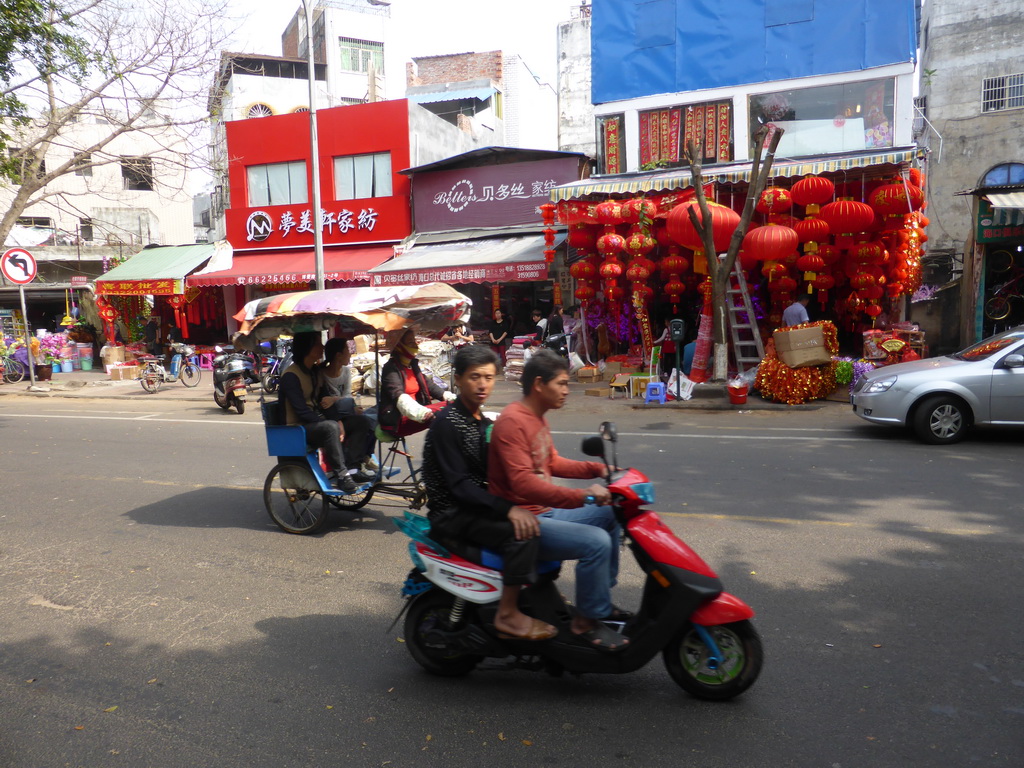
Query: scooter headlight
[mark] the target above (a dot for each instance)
(644, 491)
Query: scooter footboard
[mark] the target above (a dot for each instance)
(724, 609)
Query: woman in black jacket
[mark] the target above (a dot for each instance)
(406, 395)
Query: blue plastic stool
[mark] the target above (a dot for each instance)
(655, 393)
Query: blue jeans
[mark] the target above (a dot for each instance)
(589, 534)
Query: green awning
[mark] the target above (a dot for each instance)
(156, 271)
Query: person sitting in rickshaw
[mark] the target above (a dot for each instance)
(406, 395)
(333, 381)
(297, 393)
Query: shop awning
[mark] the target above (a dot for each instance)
(158, 271)
(1006, 199)
(729, 173)
(341, 265)
(490, 260)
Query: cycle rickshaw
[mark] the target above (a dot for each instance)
(297, 492)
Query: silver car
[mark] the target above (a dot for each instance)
(940, 397)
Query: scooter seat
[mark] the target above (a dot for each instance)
(488, 558)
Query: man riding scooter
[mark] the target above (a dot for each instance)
(572, 523)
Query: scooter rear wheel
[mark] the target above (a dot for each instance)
(293, 500)
(687, 660)
(430, 612)
(221, 398)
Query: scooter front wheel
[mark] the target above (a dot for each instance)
(293, 499)
(691, 663)
(426, 623)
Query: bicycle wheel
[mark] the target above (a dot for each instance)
(293, 499)
(997, 308)
(1000, 261)
(353, 500)
(13, 371)
(152, 377)
(190, 375)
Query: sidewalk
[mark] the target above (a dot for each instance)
(97, 385)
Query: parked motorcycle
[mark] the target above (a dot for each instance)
(231, 372)
(272, 367)
(709, 645)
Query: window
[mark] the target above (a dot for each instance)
(42, 222)
(277, 183)
(83, 165)
(259, 110)
(829, 118)
(1004, 175)
(1002, 93)
(665, 132)
(22, 165)
(611, 154)
(358, 176)
(137, 173)
(359, 55)
(85, 229)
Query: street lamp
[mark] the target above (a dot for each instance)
(314, 148)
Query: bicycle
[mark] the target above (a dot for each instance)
(12, 369)
(1000, 304)
(153, 373)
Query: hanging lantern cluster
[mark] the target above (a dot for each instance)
(547, 213)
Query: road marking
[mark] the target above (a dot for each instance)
(142, 417)
(692, 436)
(822, 523)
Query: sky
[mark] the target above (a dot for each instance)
(434, 27)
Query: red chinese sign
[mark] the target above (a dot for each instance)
(164, 287)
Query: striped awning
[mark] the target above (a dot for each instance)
(729, 173)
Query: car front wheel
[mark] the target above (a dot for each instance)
(941, 420)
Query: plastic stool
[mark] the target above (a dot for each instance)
(655, 393)
(205, 362)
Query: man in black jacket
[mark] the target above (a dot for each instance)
(459, 506)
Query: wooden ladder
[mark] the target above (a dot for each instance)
(747, 348)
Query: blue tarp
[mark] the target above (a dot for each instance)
(647, 47)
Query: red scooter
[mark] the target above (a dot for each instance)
(709, 645)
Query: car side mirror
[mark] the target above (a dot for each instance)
(1013, 361)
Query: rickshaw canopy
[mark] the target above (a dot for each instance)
(430, 308)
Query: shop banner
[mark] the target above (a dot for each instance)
(488, 196)
(484, 273)
(164, 287)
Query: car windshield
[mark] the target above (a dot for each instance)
(990, 346)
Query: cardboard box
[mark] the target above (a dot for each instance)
(802, 347)
(364, 343)
(610, 369)
(597, 392)
(124, 372)
(111, 355)
(588, 374)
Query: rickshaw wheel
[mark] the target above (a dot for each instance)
(352, 500)
(293, 499)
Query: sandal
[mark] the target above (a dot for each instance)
(539, 630)
(603, 638)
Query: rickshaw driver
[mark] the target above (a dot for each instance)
(300, 409)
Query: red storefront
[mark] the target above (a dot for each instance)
(364, 200)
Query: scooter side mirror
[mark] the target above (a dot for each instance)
(218, 349)
(608, 431)
(593, 446)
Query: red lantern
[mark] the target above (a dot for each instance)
(582, 237)
(774, 200)
(637, 209)
(811, 230)
(583, 270)
(773, 270)
(674, 263)
(770, 243)
(846, 217)
(610, 243)
(869, 253)
(861, 281)
(638, 243)
(585, 293)
(609, 212)
(614, 293)
(723, 223)
(829, 254)
(824, 282)
(896, 199)
(812, 191)
(873, 310)
(637, 272)
(611, 269)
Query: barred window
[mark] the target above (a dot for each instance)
(1005, 92)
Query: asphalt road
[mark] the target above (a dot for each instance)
(152, 615)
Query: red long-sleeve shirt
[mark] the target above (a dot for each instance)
(523, 460)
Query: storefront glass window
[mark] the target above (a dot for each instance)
(829, 118)
(664, 134)
(359, 176)
(277, 184)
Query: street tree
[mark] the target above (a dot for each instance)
(766, 142)
(119, 67)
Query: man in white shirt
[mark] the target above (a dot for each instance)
(796, 313)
